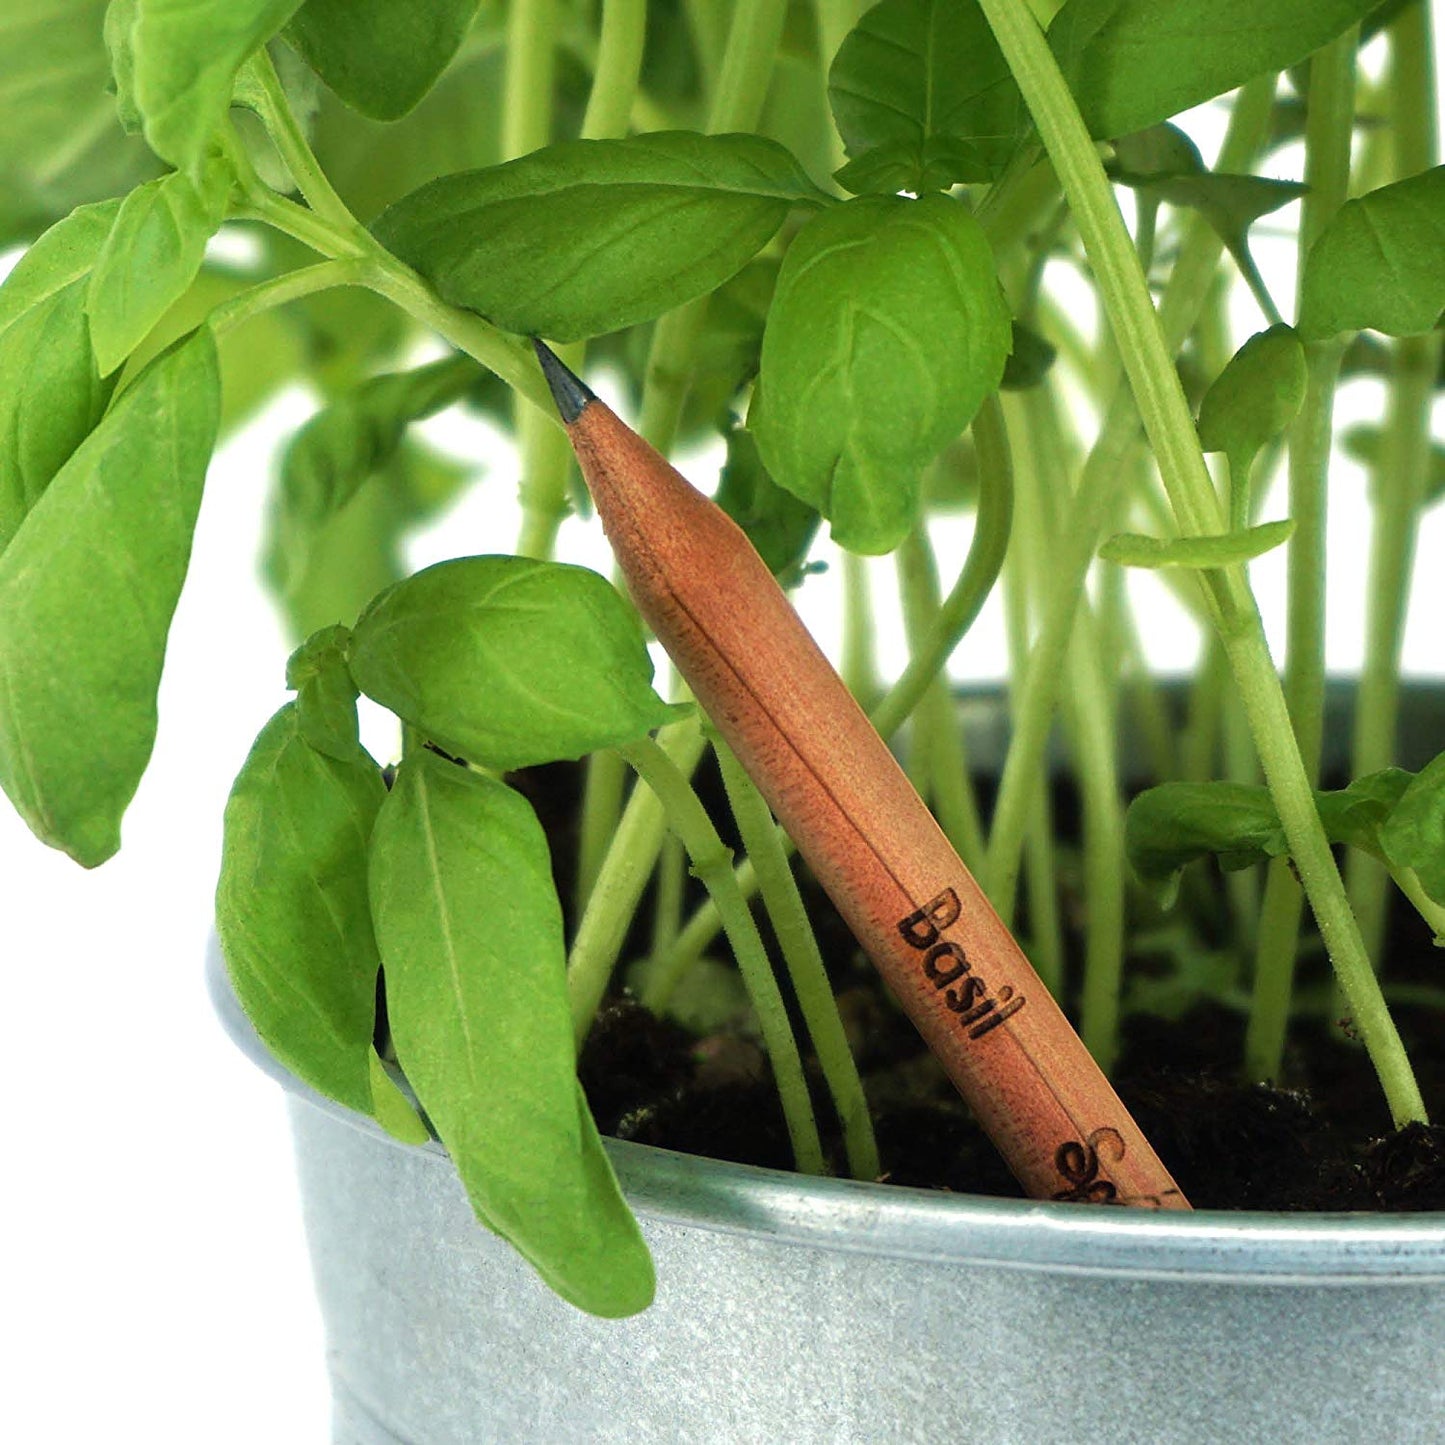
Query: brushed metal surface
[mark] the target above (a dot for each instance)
(795, 1311)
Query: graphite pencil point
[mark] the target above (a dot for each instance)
(568, 390)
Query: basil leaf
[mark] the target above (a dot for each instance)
(778, 525)
(1413, 836)
(1255, 397)
(62, 142)
(342, 561)
(326, 696)
(1367, 445)
(1377, 263)
(1174, 824)
(923, 98)
(471, 939)
(509, 662)
(380, 56)
(1225, 550)
(589, 236)
(887, 330)
(1131, 63)
(153, 253)
(349, 441)
(292, 909)
(87, 590)
(51, 391)
(183, 63)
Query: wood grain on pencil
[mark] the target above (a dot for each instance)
(856, 819)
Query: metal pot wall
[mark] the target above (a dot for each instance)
(793, 1311)
(796, 1311)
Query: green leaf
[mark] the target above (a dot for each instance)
(1255, 397)
(923, 98)
(184, 57)
(887, 331)
(326, 695)
(292, 909)
(87, 590)
(1367, 445)
(588, 236)
(1131, 63)
(391, 1108)
(358, 550)
(51, 391)
(1174, 824)
(1413, 836)
(471, 938)
(1227, 549)
(152, 255)
(380, 56)
(345, 444)
(1377, 263)
(1029, 359)
(778, 525)
(508, 662)
(62, 142)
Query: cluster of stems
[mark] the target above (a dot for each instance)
(1045, 504)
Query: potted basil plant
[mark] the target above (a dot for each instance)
(847, 247)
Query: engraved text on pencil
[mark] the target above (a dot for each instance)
(948, 968)
(1078, 1163)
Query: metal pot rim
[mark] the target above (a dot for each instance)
(965, 1229)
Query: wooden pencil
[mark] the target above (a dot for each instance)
(869, 839)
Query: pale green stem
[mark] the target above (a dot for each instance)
(804, 962)
(937, 737)
(712, 862)
(1329, 130)
(306, 281)
(619, 885)
(619, 63)
(834, 18)
(1147, 359)
(858, 664)
(1400, 475)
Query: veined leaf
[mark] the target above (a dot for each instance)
(508, 662)
(590, 236)
(1413, 835)
(51, 390)
(1131, 63)
(325, 694)
(1174, 824)
(152, 254)
(1255, 397)
(471, 938)
(887, 330)
(184, 55)
(380, 56)
(1377, 263)
(1225, 550)
(87, 590)
(923, 98)
(292, 910)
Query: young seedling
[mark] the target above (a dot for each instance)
(924, 921)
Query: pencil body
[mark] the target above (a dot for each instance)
(869, 839)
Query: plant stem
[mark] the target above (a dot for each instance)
(804, 962)
(981, 568)
(619, 63)
(834, 18)
(859, 664)
(1170, 428)
(1329, 128)
(1398, 481)
(712, 862)
(937, 738)
(306, 281)
(624, 874)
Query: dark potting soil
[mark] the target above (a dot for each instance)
(1319, 1138)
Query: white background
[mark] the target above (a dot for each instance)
(152, 1263)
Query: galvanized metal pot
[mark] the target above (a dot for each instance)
(797, 1311)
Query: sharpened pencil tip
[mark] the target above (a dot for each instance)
(567, 390)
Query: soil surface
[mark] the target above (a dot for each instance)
(1319, 1138)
